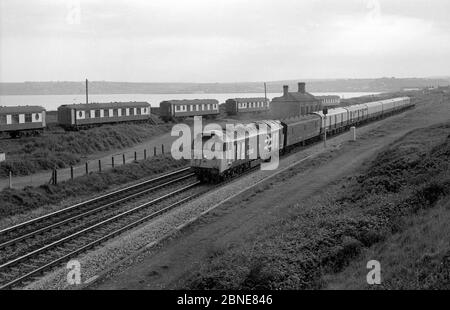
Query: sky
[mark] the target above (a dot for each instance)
(222, 40)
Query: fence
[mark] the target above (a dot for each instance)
(98, 165)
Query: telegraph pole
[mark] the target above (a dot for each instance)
(265, 92)
(87, 98)
(325, 112)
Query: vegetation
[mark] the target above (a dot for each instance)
(61, 149)
(323, 235)
(14, 201)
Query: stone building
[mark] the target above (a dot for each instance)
(294, 103)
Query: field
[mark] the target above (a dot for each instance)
(409, 182)
(57, 148)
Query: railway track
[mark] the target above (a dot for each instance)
(35, 246)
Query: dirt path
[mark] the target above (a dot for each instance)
(172, 262)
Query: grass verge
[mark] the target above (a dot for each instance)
(15, 201)
(59, 148)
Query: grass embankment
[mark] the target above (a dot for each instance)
(322, 235)
(59, 148)
(15, 201)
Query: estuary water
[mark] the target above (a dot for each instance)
(52, 102)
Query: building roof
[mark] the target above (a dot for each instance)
(110, 105)
(328, 97)
(21, 109)
(192, 101)
(253, 99)
(295, 96)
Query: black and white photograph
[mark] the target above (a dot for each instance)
(216, 153)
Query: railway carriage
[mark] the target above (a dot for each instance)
(75, 116)
(357, 113)
(301, 129)
(336, 120)
(236, 106)
(374, 109)
(180, 109)
(22, 120)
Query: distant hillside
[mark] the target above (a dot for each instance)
(103, 87)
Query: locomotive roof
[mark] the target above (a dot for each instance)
(21, 109)
(253, 99)
(89, 106)
(192, 101)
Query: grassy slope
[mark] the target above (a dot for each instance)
(323, 235)
(417, 257)
(57, 147)
(15, 201)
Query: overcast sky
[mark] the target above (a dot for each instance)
(222, 40)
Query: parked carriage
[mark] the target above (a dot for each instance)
(22, 120)
(236, 106)
(75, 116)
(180, 109)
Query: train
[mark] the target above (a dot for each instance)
(289, 133)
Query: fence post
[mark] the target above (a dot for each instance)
(71, 172)
(112, 161)
(99, 165)
(353, 131)
(87, 168)
(154, 151)
(162, 148)
(145, 153)
(55, 179)
(10, 179)
(123, 159)
(135, 155)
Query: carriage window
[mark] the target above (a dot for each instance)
(124, 112)
(138, 111)
(2, 119)
(106, 113)
(36, 116)
(116, 112)
(15, 119)
(80, 114)
(28, 118)
(177, 108)
(97, 113)
(131, 111)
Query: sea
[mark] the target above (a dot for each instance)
(52, 102)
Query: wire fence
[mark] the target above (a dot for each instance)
(105, 163)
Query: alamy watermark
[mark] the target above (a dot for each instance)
(374, 275)
(74, 274)
(256, 140)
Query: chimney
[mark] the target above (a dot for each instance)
(301, 88)
(285, 90)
